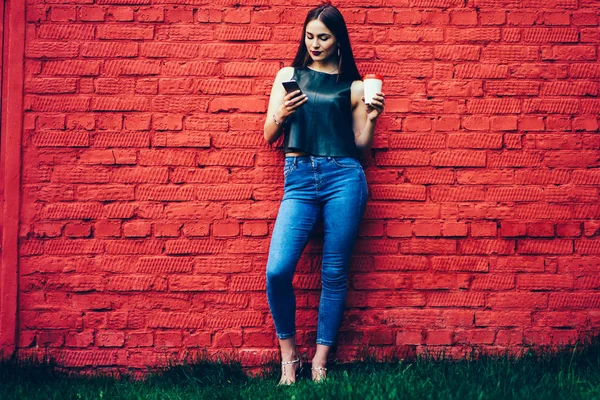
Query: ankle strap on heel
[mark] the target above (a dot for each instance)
(320, 371)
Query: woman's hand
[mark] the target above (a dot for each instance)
(375, 109)
(291, 102)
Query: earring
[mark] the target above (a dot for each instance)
(338, 51)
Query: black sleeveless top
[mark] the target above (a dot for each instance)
(323, 125)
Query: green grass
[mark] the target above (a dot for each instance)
(569, 373)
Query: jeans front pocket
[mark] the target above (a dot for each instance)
(288, 167)
(346, 162)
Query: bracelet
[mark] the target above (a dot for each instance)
(277, 122)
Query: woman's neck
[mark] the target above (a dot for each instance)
(329, 67)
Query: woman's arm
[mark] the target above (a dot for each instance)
(281, 105)
(364, 117)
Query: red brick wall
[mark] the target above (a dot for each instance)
(149, 193)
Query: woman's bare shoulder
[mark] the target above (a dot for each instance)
(285, 74)
(357, 91)
(357, 86)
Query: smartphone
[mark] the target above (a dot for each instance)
(291, 86)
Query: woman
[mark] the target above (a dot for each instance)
(327, 126)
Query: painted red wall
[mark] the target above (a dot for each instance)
(149, 194)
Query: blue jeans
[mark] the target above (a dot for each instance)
(331, 188)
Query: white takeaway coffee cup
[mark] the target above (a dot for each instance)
(372, 86)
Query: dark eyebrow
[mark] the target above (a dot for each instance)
(322, 34)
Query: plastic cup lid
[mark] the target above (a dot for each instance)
(373, 76)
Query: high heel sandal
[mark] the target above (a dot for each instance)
(320, 371)
(284, 378)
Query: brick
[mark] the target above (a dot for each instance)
(48, 229)
(555, 246)
(239, 104)
(36, 13)
(556, 18)
(113, 122)
(119, 14)
(134, 247)
(540, 229)
(506, 123)
(552, 35)
(63, 14)
(225, 228)
(464, 18)
(136, 229)
(485, 35)
(79, 339)
(128, 32)
(66, 32)
(62, 104)
(407, 17)
(121, 139)
(585, 124)
(266, 16)
(570, 89)
(103, 229)
(481, 71)
(228, 339)
(454, 89)
(61, 139)
(139, 339)
(75, 246)
(494, 106)
(569, 53)
(146, 86)
(109, 49)
(255, 229)
(140, 175)
(436, 3)
(237, 16)
(181, 139)
(46, 122)
(493, 17)
(138, 122)
(585, 18)
(399, 229)
(381, 16)
(39, 49)
(91, 14)
(537, 71)
(242, 33)
(197, 283)
(165, 193)
(416, 34)
(78, 230)
(531, 124)
(558, 123)
(120, 104)
(457, 53)
(110, 339)
(512, 88)
(149, 14)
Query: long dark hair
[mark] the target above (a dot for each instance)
(334, 21)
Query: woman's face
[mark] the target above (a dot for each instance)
(319, 40)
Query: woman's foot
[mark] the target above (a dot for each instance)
(319, 373)
(289, 371)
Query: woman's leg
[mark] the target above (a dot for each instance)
(295, 221)
(342, 213)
